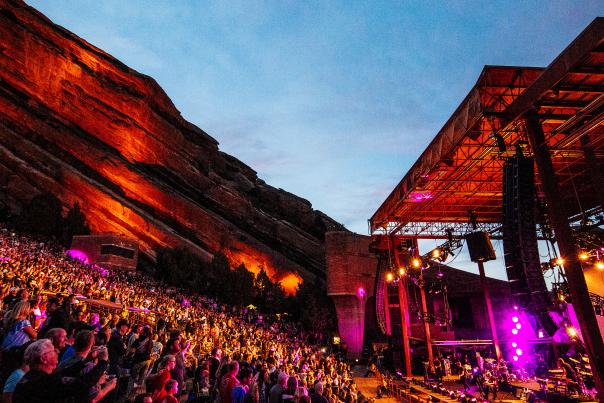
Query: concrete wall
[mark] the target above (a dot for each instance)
(351, 271)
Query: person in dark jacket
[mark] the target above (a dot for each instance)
(40, 384)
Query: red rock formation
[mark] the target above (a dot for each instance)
(76, 122)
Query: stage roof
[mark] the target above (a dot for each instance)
(461, 169)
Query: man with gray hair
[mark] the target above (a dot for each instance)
(317, 395)
(41, 385)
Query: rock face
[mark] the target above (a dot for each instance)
(78, 123)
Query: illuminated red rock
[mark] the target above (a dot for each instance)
(76, 122)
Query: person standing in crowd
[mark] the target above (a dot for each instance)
(40, 385)
(241, 390)
(229, 381)
(18, 328)
(317, 395)
(278, 389)
(15, 376)
(56, 316)
(171, 389)
(117, 347)
(157, 382)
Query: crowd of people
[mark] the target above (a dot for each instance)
(74, 332)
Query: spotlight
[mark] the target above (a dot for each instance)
(518, 326)
(515, 358)
(515, 319)
(389, 277)
(515, 307)
(599, 265)
(416, 263)
(515, 331)
(436, 253)
(583, 256)
(514, 345)
(559, 261)
(401, 271)
(540, 334)
(518, 352)
(572, 332)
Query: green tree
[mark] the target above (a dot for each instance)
(74, 223)
(241, 288)
(315, 308)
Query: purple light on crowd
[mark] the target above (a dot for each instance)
(77, 255)
(361, 292)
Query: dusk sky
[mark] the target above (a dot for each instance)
(329, 100)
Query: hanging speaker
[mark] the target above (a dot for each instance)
(480, 247)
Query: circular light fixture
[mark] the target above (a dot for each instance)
(518, 326)
(515, 319)
(515, 331)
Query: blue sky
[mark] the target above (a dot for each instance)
(330, 100)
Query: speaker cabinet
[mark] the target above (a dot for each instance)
(480, 247)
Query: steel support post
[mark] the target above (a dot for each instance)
(568, 249)
(487, 300)
(422, 293)
(404, 307)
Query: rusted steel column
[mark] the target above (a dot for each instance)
(422, 293)
(402, 302)
(487, 300)
(387, 309)
(595, 170)
(568, 249)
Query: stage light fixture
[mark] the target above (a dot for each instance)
(518, 352)
(518, 326)
(559, 261)
(599, 265)
(401, 271)
(389, 277)
(515, 319)
(436, 253)
(572, 332)
(514, 344)
(515, 331)
(416, 263)
(540, 334)
(515, 358)
(583, 256)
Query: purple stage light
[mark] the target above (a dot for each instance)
(361, 292)
(541, 334)
(515, 331)
(515, 319)
(514, 344)
(518, 351)
(515, 358)
(77, 255)
(518, 326)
